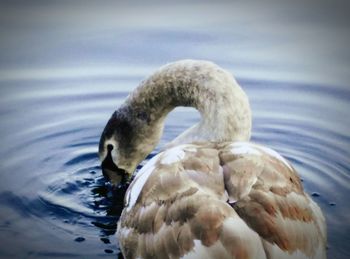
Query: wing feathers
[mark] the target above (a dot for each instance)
(224, 201)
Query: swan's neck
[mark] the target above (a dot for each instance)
(224, 107)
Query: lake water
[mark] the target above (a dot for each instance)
(57, 94)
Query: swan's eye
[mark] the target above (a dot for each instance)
(143, 116)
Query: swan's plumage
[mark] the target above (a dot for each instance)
(232, 200)
(210, 193)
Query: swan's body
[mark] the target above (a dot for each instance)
(211, 194)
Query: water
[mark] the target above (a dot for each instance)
(57, 94)
(52, 193)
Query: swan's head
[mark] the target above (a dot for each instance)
(126, 140)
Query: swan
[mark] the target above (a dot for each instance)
(211, 193)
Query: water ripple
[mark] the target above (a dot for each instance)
(52, 185)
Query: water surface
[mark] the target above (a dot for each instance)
(54, 200)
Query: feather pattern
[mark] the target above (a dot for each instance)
(220, 200)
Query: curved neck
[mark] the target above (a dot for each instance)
(224, 107)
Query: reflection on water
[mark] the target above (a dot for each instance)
(55, 202)
(64, 68)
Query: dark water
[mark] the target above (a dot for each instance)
(65, 67)
(54, 201)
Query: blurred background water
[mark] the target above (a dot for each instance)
(65, 67)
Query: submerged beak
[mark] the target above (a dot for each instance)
(110, 171)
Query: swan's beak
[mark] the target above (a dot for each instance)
(111, 172)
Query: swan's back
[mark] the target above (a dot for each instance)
(228, 200)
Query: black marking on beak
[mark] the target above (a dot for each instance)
(110, 171)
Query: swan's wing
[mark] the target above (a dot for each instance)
(219, 201)
(181, 210)
(267, 194)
